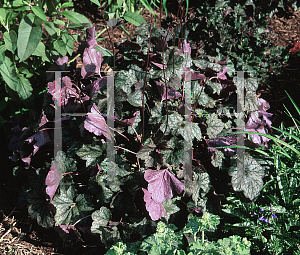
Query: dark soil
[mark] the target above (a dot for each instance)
(19, 234)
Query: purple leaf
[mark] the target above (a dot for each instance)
(159, 184)
(172, 93)
(41, 138)
(92, 60)
(66, 228)
(128, 122)
(155, 209)
(221, 75)
(194, 75)
(44, 119)
(95, 123)
(186, 48)
(62, 62)
(52, 181)
(95, 86)
(159, 65)
(90, 37)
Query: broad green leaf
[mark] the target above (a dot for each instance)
(39, 208)
(135, 98)
(203, 64)
(64, 164)
(38, 11)
(69, 42)
(2, 53)
(75, 17)
(175, 156)
(15, 81)
(95, 2)
(51, 29)
(251, 102)
(170, 207)
(248, 178)
(60, 47)
(217, 159)
(126, 79)
(215, 87)
(175, 120)
(59, 22)
(10, 39)
(3, 13)
(215, 126)
(29, 36)
(100, 218)
(41, 52)
(69, 207)
(134, 18)
(198, 187)
(90, 153)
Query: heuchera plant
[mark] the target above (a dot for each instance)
(149, 132)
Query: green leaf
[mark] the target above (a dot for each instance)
(214, 86)
(217, 159)
(60, 47)
(15, 81)
(147, 6)
(248, 178)
(39, 207)
(90, 153)
(38, 11)
(203, 64)
(100, 218)
(69, 42)
(251, 101)
(64, 164)
(59, 22)
(69, 207)
(3, 13)
(215, 126)
(10, 39)
(41, 52)
(95, 2)
(170, 207)
(49, 26)
(135, 98)
(134, 18)
(29, 36)
(76, 17)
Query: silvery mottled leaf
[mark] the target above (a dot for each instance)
(251, 102)
(125, 79)
(101, 218)
(203, 64)
(214, 86)
(174, 81)
(136, 98)
(215, 126)
(69, 207)
(170, 207)
(247, 177)
(90, 153)
(217, 159)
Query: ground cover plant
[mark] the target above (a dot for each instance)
(154, 206)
